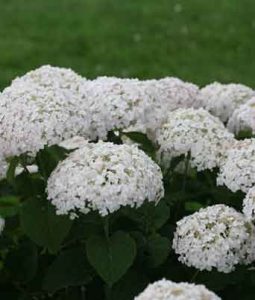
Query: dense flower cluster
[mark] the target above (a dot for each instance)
(195, 131)
(32, 116)
(222, 99)
(216, 236)
(238, 171)
(116, 103)
(104, 177)
(168, 290)
(243, 118)
(52, 77)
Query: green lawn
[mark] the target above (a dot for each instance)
(197, 40)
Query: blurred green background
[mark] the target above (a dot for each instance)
(197, 40)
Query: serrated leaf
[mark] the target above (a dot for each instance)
(70, 268)
(40, 222)
(111, 257)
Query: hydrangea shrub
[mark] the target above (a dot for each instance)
(125, 189)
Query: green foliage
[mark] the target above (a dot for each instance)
(70, 268)
(111, 256)
(45, 256)
(40, 222)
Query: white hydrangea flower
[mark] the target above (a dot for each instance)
(52, 77)
(135, 105)
(243, 118)
(249, 204)
(104, 177)
(32, 116)
(116, 103)
(214, 237)
(195, 131)
(2, 222)
(238, 170)
(222, 99)
(169, 290)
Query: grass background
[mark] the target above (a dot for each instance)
(197, 40)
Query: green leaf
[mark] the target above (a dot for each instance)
(157, 250)
(149, 216)
(40, 222)
(111, 257)
(48, 158)
(29, 185)
(9, 206)
(144, 143)
(70, 268)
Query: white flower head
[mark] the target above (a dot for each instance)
(2, 222)
(116, 103)
(195, 131)
(238, 170)
(169, 290)
(52, 77)
(222, 99)
(214, 237)
(32, 116)
(243, 118)
(104, 177)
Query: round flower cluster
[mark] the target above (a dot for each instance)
(32, 116)
(238, 170)
(249, 204)
(104, 177)
(222, 99)
(52, 77)
(169, 290)
(243, 118)
(195, 131)
(216, 236)
(1, 224)
(116, 103)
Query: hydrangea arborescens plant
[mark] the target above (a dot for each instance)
(90, 219)
(168, 290)
(195, 131)
(104, 177)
